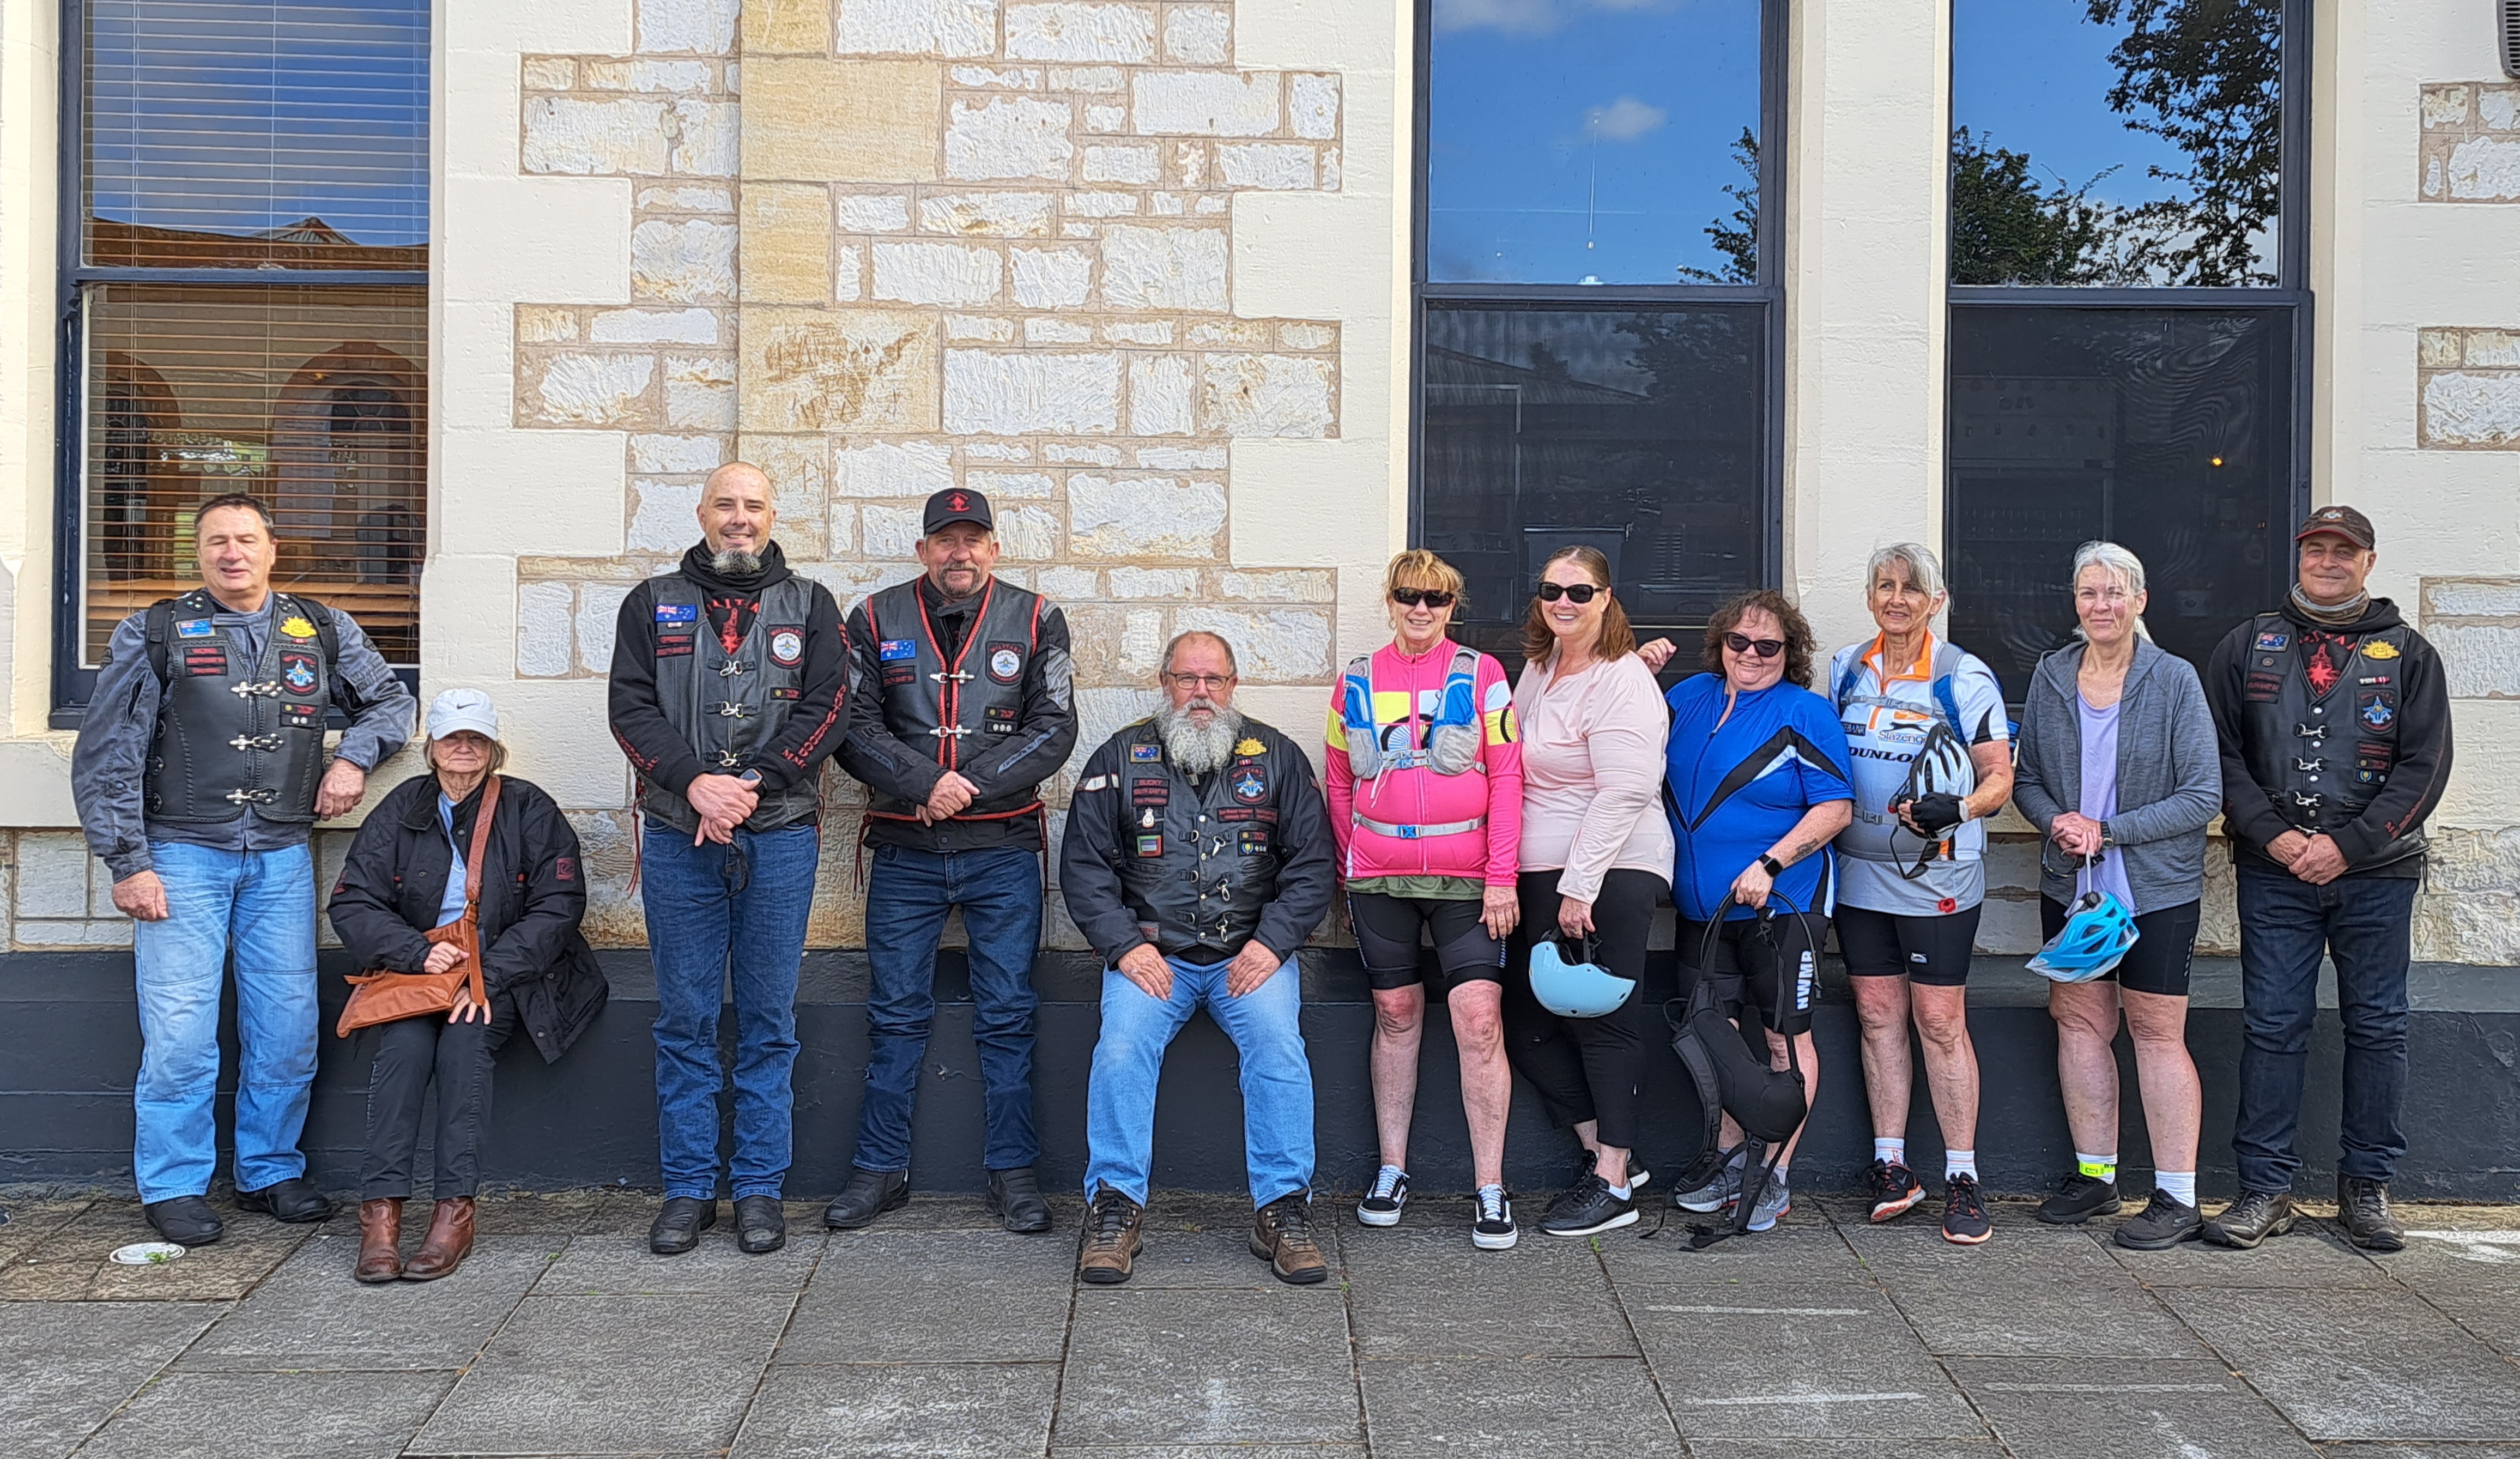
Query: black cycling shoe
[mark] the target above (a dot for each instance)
(2363, 1207)
(2082, 1198)
(294, 1200)
(2251, 1220)
(185, 1220)
(760, 1226)
(2164, 1224)
(1588, 1208)
(678, 1227)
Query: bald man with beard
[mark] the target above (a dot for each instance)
(728, 691)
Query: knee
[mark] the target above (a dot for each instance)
(1478, 1025)
(170, 1068)
(1399, 1016)
(2279, 1030)
(1942, 1029)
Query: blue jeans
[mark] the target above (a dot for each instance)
(907, 896)
(261, 906)
(1265, 1027)
(716, 911)
(2364, 924)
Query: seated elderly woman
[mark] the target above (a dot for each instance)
(406, 874)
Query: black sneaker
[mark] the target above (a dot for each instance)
(1894, 1188)
(2164, 1224)
(2251, 1220)
(2363, 1208)
(1491, 1229)
(1383, 1199)
(2082, 1198)
(1587, 1209)
(1964, 1222)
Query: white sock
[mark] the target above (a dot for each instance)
(1959, 1163)
(1624, 1193)
(2097, 1166)
(2180, 1185)
(1892, 1151)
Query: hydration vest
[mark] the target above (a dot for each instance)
(2321, 758)
(728, 706)
(960, 707)
(233, 733)
(1453, 741)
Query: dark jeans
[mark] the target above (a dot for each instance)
(907, 896)
(1585, 1069)
(2366, 924)
(720, 917)
(412, 1053)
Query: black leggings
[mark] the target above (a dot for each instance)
(1585, 1069)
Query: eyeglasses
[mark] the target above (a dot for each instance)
(1411, 597)
(1764, 647)
(1201, 683)
(1577, 593)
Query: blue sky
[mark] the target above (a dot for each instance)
(2034, 76)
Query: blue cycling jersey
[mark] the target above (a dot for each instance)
(1734, 789)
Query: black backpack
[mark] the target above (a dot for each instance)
(1768, 1104)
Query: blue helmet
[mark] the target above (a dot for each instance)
(2092, 942)
(1577, 989)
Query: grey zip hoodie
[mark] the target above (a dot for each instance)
(2170, 773)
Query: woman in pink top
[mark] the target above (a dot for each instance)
(1597, 858)
(1426, 797)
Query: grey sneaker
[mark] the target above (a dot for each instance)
(1773, 1201)
(1717, 1194)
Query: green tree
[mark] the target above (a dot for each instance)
(1738, 243)
(2205, 76)
(2009, 229)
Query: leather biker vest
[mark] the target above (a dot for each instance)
(234, 732)
(2322, 759)
(1198, 861)
(960, 707)
(728, 706)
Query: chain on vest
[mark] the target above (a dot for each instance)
(234, 733)
(956, 710)
(1199, 861)
(2322, 759)
(728, 706)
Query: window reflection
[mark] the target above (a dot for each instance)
(1640, 431)
(1591, 141)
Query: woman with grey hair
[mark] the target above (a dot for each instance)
(2120, 771)
(1912, 873)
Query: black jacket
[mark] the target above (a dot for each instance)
(533, 896)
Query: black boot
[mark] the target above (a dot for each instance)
(185, 1220)
(760, 1226)
(294, 1200)
(1016, 1195)
(868, 1195)
(2363, 1206)
(678, 1227)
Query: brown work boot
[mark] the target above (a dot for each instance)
(1111, 1238)
(1281, 1235)
(379, 1241)
(449, 1242)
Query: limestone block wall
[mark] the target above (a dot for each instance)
(880, 248)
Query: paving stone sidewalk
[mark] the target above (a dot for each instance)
(935, 1333)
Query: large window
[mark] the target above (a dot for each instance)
(1596, 307)
(2129, 311)
(244, 301)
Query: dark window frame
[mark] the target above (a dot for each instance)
(1768, 290)
(73, 684)
(2290, 294)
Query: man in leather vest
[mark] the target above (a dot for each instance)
(966, 706)
(2334, 722)
(199, 773)
(729, 691)
(1198, 857)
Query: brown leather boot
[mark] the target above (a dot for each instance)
(1281, 1235)
(449, 1242)
(379, 1241)
(1111, 1238)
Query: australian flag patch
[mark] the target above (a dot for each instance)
(677, 613)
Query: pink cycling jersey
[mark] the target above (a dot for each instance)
(1406, 693)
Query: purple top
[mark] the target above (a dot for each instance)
(2101, 792)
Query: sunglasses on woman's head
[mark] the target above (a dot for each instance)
(1411, 597)
(1579, 593)
(1764, 647)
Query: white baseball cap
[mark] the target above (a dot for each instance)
(463, 709)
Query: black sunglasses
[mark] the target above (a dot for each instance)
(1411, 597)
(1764, 647)
(1581, 592)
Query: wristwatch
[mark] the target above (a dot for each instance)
(1774, 867)
(2107, 838)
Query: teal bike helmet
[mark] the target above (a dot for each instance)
(2092, 942)
(1576, 988)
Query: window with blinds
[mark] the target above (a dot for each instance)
(249, 306)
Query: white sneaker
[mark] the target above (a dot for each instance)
(1493, 1228)
(1382, 1205)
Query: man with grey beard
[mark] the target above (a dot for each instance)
(1198, 857)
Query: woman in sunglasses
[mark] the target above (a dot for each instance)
(1596, 854)
(1756, 785)
(1425, 779)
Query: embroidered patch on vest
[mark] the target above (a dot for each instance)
(678, 612)
(1150, 846)
(294, 627)
(1150, 792)
(787, 647)
(1006, 663)
(674, 645)
(2377, 708)
(893, 650)
(1251, 745)
(1250, 785)
(2381, 650)
(1145, 754)
(297, 671)
(205, 662)
(1253, 841)
(2273, 643)
(194, 629)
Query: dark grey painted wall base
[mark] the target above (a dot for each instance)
(69, 1045)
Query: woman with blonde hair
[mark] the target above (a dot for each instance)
(1424, 784)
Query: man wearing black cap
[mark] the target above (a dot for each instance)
(2335, 729)
(967, 706)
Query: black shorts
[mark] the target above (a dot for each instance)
(2165, 944)
(1931, 949)
(1386, 937)
(1748, 965)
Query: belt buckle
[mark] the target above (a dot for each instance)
(1408, 832)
